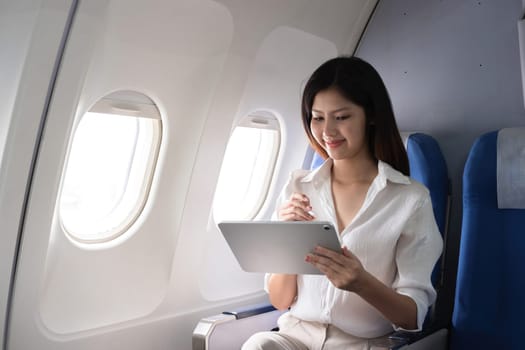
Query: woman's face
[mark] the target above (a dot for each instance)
(339, 125)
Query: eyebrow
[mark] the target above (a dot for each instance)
(334, 111)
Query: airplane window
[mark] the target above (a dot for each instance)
(247, 168)
(110, 167)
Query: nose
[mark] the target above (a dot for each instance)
(329, 128)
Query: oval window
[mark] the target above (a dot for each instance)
(110, 167)
(247, 168)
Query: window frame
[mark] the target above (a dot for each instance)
(257, 120)
(131, 104)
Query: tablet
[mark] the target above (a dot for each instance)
(278, 246)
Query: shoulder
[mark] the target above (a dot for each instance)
(320, 173)
(414, 194)
(410, 194)
(294, 182)
(299, 174)
(405, 185)
(418, 189)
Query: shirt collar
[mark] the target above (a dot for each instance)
(323, 171)
(385, 172)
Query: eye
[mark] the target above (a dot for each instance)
(317, 118)
(342, 117)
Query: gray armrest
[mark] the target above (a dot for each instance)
(431, 340)
(231, 329)
(251, 310)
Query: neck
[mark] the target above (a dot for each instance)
(348, 171)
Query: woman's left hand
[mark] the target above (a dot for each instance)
(343, 269)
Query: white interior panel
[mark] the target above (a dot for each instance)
(27, 68)
(177, 58)
(15, 45)
(15, 42)
(205, 64)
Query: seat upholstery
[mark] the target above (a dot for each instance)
(489, 305)
(428, 166)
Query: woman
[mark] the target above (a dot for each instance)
(380, 280)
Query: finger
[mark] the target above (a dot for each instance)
(338, 275)
(302, 213)
(292, 213)
(317, 261)
(297, 200)
(339, 260)
(300, 197)
(333, 271)
(299, 209)
(348, 253)
(300, 204)
(320, 260)
(320, 250)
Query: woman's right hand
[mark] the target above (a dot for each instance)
(297, 208)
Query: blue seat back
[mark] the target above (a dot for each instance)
(316, 161)
(428, 166)
(489, 306)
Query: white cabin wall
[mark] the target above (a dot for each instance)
(206, 64)
(31, 33)
(179, 66)
(15, 41)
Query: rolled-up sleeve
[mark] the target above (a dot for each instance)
(418, 248)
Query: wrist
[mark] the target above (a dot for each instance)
(365, 283)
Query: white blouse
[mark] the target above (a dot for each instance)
(395, 237)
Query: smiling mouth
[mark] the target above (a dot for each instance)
(333, 143)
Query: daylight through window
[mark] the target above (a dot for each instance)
(110, 167)
(247, 168)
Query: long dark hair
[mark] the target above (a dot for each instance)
(360, 83)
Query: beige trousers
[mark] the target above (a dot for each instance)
(295, 334)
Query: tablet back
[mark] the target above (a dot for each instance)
(278, 246)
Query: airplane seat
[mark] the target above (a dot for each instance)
(489, 307)
(428, 166)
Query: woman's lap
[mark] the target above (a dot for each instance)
(296, 334)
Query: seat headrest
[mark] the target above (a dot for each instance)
(405, 135)
(511, 168)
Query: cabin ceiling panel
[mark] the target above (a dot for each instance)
(339, 21)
